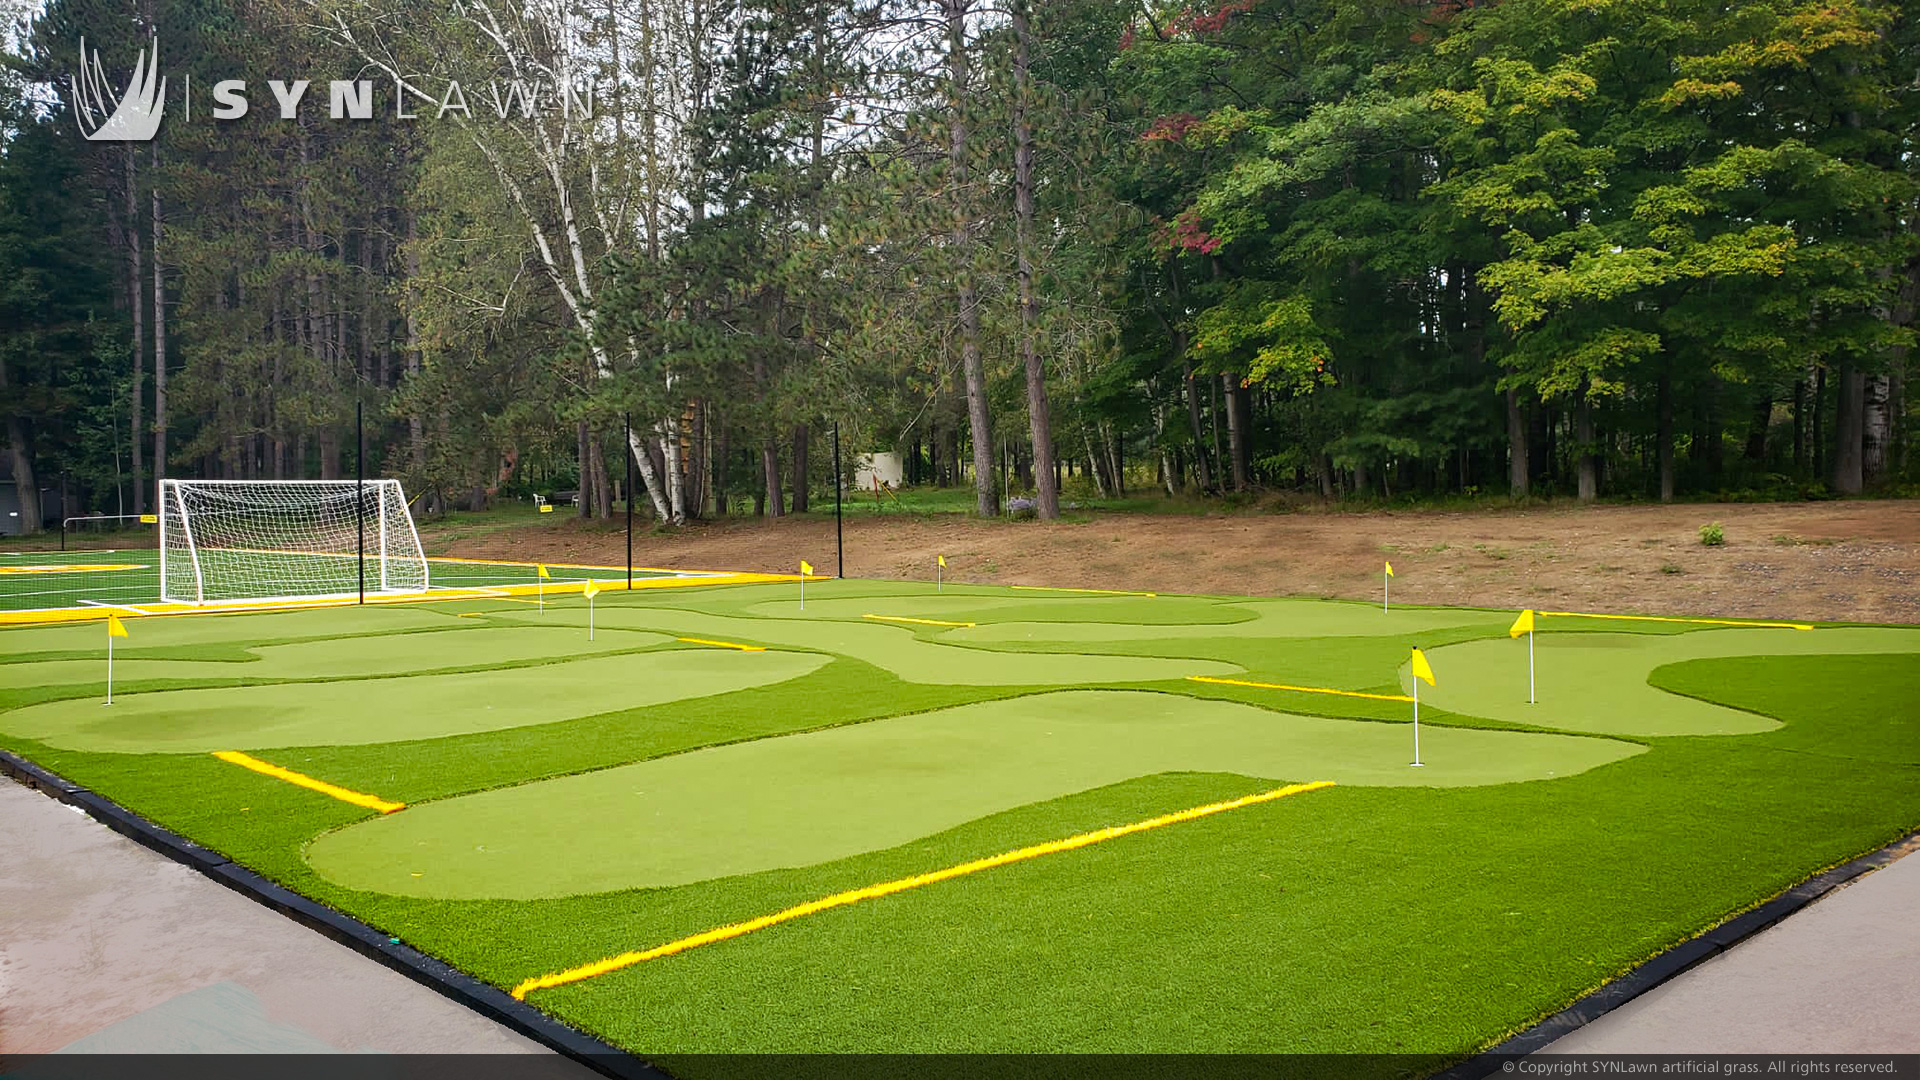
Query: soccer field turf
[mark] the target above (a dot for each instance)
(719, 754)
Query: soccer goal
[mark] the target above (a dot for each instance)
(224, 540)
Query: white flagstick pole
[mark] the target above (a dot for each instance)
(939, 577)
(803, 592)
(589, 615)
(109, 669)
(1530, 665)
(1383, 590)
(1416, 720)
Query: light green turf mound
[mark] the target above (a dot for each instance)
(372, 656)
(1262, 618)
(166, 631)
(1044, 607)
(392, 710)
(1597, 682)
(799, 800)
(897, 649)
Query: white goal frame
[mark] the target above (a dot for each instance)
(199, 518)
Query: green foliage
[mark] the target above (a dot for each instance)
(1712, 535)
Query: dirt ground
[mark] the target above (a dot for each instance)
(1829, 561)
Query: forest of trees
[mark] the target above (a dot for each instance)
(1353, 248)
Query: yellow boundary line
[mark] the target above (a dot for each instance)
(871, 892)
(926, 622)
(1059, 588)
(371, 802)
(43, 616)
(1298, 689)
(722, 644)
(1670, 618)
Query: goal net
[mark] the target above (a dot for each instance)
(286, 539)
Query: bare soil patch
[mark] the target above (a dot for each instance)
(1843, 561)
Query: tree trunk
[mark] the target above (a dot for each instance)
(1200, 464)
(770, 468)
(1519, 473)
(583, 468)
(602, 483)
(1663, 434)
(1876, 428)
(26, 488)
(1040, 420)
(1584, 449)
(135, 290)
(1239, 431)
(416, 424)
(1757, 425)
(800, 468)
(987, 497)
(1849, 428)
(1817, 448)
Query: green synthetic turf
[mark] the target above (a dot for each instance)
(900, 649)
(1360, 918)
(805, 799)
(1597, 682)
(1258, 619)
(472, 646)
(387, 710)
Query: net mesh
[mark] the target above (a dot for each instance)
(272, 539)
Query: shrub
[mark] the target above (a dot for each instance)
(1712, 535)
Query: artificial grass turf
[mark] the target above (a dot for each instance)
(1597, 682)
(355, 657)
(810, 798)
(1398, 929)
(390, 709)
(901, 651)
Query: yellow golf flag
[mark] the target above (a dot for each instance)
(1389, 569)
(116, 628)
(592, 590)
(1420, 668)
(943, 561)
(542, 567)
(806, 568)
(1521, 625)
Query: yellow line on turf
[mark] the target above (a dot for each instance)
(40, 616)
(1669, 618)
(1059, 588)
(928, 622)
(723, 644)
(371, 802)
(870, 892)
(1298, 689)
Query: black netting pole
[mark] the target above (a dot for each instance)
(626, 423)
(839, 538)
(360, 490)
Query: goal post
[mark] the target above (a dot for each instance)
(230, 540)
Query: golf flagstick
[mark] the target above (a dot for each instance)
(1524, 625)
(1421, 670)
(1383, 585)
(592, 591)
(806, 571)
(115, 628)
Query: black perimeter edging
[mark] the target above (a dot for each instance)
(489, 1001)
(1674, 961)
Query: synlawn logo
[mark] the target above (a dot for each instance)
(135, 115)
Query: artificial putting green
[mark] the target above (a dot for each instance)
(1597, 682)
(363, 711)
(900, 650)
(1426, 917)
(809, 798)
(368, 657)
